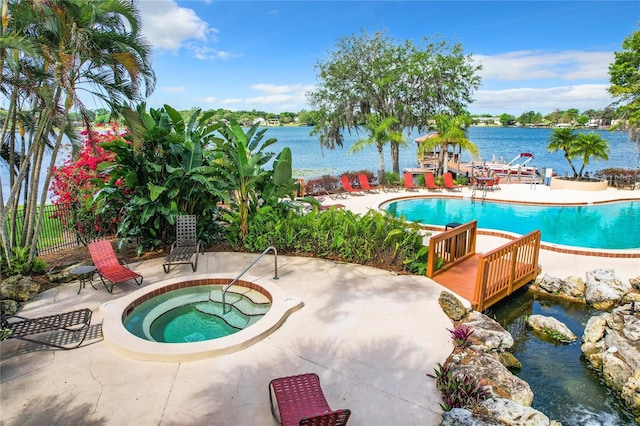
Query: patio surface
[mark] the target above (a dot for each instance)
(369, 334)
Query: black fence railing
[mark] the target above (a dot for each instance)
(56, 232)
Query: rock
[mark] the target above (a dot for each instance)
(614, 370)
(8, 307)
(19, 288)
(551, 327)
(635, 283)
(462, 417)
(603, 289)
(594, 330)
(508, 360)
(495, 377)
(452, 306)
(611, 344)
(549, 284)
(507, 412)
(631, 393)
(574, 286)
(487, 335)
(63, 274)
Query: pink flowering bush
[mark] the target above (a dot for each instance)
(75, 183)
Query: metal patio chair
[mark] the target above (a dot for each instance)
(301, 401)
(187, 246)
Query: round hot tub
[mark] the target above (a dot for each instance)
(184, 319)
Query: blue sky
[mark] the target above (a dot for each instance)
(244, 55)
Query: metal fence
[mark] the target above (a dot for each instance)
(56, 232)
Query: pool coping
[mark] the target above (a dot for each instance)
(632, 253)
(120, 339)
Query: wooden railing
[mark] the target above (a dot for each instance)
(506, 269)
(451, 247)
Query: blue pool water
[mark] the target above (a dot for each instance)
(603, 226)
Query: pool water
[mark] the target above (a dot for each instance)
(565, 386)
(195, 314)
(603, 226)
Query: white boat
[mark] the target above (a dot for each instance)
(513, 167)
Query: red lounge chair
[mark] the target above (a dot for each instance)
(430, 182)
(364, 184)
(301, 402)
(108, 266)
(346, 184)
(408, 182)
(448, 183)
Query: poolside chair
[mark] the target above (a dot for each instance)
(70, 322)
(108, 266)
(409, 185)
(364, 184)
(346, 184)
(301, 402)
(430, 182)
(186, 247)
(449, 184)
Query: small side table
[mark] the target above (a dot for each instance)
(84, 274)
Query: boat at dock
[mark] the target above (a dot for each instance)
(517, 166)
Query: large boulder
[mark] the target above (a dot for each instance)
(497, 411)
(487, 335)
(493, 375)
(611, 344)
(19, 288)
(552, 328)
(604, 290)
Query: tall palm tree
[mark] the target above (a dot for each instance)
(380, 132)
(590, 145)
(93, 46)
(563, 139)
(450, 130)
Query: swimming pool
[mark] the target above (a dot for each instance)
(599, 226)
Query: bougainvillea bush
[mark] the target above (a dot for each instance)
(75, 183)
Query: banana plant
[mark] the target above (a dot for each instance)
(242, 157)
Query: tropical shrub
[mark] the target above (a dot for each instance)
(164, 168)
(375, 239)
(242, 158)
(461, 335)
(458, 390)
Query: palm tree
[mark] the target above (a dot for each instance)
(563, 139)
(450, 130)
(380, 132)
(588, 145)
(81, 45)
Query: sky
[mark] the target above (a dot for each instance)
(245, 55)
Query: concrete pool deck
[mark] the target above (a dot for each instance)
(369, 334)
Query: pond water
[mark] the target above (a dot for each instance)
(565, 386)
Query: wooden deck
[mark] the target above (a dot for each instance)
(461, 279)
(482, 279)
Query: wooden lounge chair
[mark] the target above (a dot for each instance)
(187, 246)
(365, 185)
(346, 184)
(409, 185)
(72, 322)
(108, 266)
(449, 184)
(430, 182)
(301, 402)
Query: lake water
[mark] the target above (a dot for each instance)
(310, 160)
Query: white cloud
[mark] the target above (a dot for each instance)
(280, 98)
(168, 89)
(519, 100)
(531, 65)
(169, 26)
